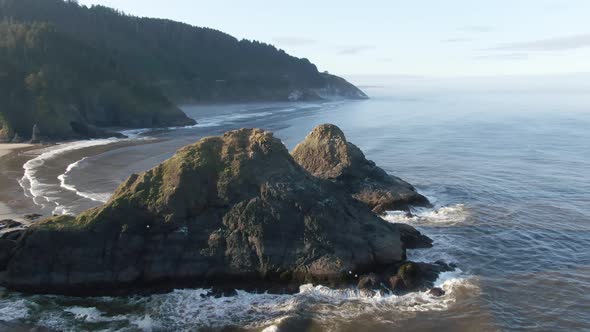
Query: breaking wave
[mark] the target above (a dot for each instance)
(45, 195)
(41, 193)
(190, 309)
(441, 216)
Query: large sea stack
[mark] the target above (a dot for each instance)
(231, 210)
(327, 154)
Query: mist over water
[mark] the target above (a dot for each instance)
(505, 162)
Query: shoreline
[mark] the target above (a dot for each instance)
(14, 204)
(8, 148)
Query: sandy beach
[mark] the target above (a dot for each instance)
(8, 148)
(13, 203)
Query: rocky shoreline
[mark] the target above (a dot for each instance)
(235, 211)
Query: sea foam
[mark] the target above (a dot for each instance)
(45, 194)
(41, 192)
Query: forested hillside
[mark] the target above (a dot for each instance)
(64, 86)
(63, 63)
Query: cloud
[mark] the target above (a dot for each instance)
(557, 5)
(504, 56)
(354, 49)
(456, 40)
(476, 28)
(293, 41)
(550, 44)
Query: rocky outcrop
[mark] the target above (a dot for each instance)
(327, 154)
(332, 88)
(406, 277)
(9, 223)
(233, 210)
(336, 87)
(32, 216)
(36, 135)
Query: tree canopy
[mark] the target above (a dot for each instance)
(63, 63)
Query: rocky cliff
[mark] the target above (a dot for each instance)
(230, 210)
(327, 154)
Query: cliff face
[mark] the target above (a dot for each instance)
(226, 210)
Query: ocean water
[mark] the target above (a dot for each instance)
(507, 169)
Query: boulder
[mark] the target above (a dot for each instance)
(9, 223)
(436, 292)
(412, 276)
(405, 277)
(327, 154)
(369, 281)
(219, 292)
(227, 211)
(32, 216)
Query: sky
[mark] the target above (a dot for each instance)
(423, 38)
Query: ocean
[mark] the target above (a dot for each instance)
(508, 170)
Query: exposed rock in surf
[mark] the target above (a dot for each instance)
(436, 292)
(327, 154)
(9, 223)
(218, 292)
(232, 211)
(370, 281)
(32, 216)
(405, 277)
(417, 276)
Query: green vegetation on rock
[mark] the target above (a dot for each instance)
(227, 209)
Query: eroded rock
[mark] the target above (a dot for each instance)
(327, 154)
(36, 135)
(32, 216)
(437, 292)
(225, 211)
(413, 276)
(9, 223)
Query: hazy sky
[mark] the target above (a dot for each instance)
(409, 37)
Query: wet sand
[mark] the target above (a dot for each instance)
(8, 148)
(13, 202)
